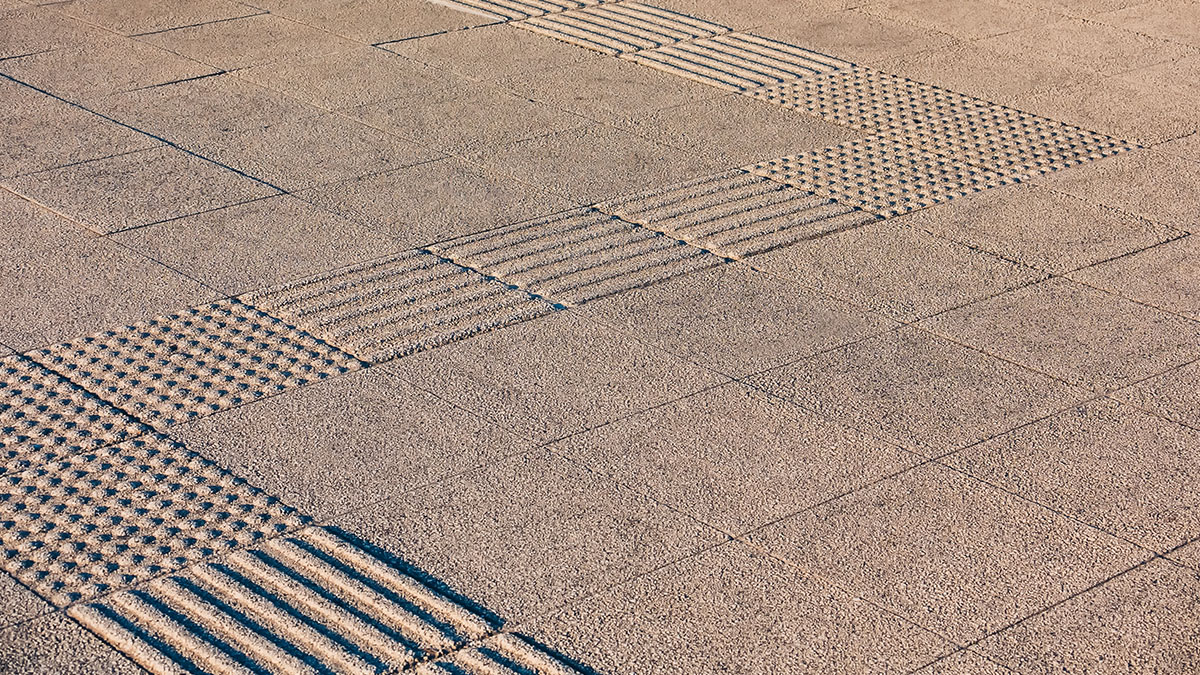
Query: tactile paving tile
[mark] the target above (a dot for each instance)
(1010, 142)
(881, 174)
(44, 417)
(513, 10)
(577, 256)
(737, 214)
(621, 27)
(505, 653)
(737, 61)
(196, 362)
(867, 99)
(107, 518)
(308, 602)
(399, 305)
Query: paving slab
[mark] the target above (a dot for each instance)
(380, 438)
(117, 193)
(731, 609)
(962, 662)
(949, 553)
(29, 30)
(736, 458)
(1082, 335)
(928, 394)
(1164, 276)
(553, 376)
(60, 281)
(490, 53)
(854, 34)
(1188, 555)
(1187, 146)
(377, 21)
(155, 15)
(735, 320)
(897, 271)
(17, 603)
(1174, 20)
(1174, 394)
(56, 645)
(1144, 620)
(965, 22)
(249, 41)
(436, 200)
(1146, 183)
(1107, 464)
(530, 533)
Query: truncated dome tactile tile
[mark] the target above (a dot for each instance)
(737, 214)
(621, 27)
(881, 174)
(399, 305)
(107, 518)
(44, 417)
(196, 362)
(577, 256)
(515, 9)
(867, 99)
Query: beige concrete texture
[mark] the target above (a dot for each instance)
(582, 337)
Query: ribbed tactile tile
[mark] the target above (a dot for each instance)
(737, 214)
(881, 174)
(399, 305)
(577, 256)
(44, 417)
(196, 362)
(1010, 142)
(500, 654)
(737, 61)
(621, 27)
(309, 602)
(106, 519)
(867, 99)
(515, 10)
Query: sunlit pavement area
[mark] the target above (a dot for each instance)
(569, 337)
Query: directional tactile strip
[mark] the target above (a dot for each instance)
(621, 27)
(881, 174)
(577, 256)
(104, 519)
(309, 602)
(737, 61)
(506, 653)
(399, 305)
(44, 417)
(737, 214)
(1010, 142)
(867, 99)
(513, 10)
(196, 362)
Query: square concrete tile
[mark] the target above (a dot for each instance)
(948, 552)
(1084, 336)
(1174, 394)
(1087, 44)
(1041, 228)
(553, 376)
(1187, 146)
(298, 153)
(147, 16)
(930, 395)
(853, 34)
(529, 533)
(376, 21)
(62, 134)
(56, 645)
(343, 79)
(963, 662)
(60, 282)
(1188, 555)
(17, 603)
(731, 609)
(1110, 465)
(436, 200)
(1166, 276)
(490, 52)
(897, 271)
(734, 457)
(249, 41)
(378, 437)
(1147, 183)
(595, 162)
(1174, 20)
(103, 66)
(734, 320)
(117, 193)
(965, 21)
(25, 29)
(1144, 621)
(736, 130)
(258, 244)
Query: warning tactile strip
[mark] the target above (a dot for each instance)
(514, 10)
(105, 519)
(196, 362)
(399, 305)
(308, 602)
(44, 417)
(867, 99)
(506, 653)
(621, 27)
(1010, 142)
(577, 256)
(881, 174)
(737, 214)
(737, 61)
